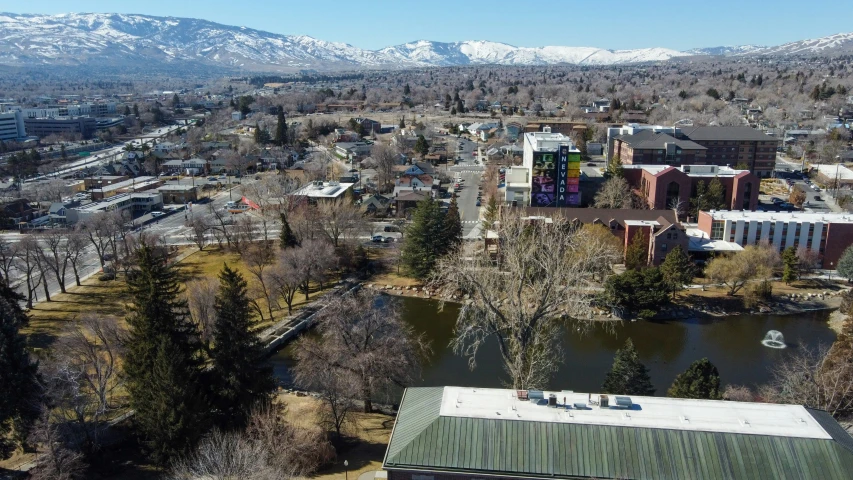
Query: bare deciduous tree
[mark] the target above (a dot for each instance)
(541, 276)
(355, 328)
(200, 299)
(269, 449)
(27, 264)
(259, 258)
(340, 219)
(58, 461)
(615, 193)
(56, 254)
(199, 227)
(284, 277)
(9, 252)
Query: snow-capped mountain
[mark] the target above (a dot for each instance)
(726, 50)
(838, 43)
(119, 40)
(484, 52)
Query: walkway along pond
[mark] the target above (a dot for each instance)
(667, 348)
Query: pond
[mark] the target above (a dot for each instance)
(667, 348)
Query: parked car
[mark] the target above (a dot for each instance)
(377, 239)
(478, 202)
(817, 198)
(211, 179)
(815, 187)
(590, 164)
(157, 213)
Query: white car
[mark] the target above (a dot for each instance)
(157, 214)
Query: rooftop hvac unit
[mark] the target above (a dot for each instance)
(536, 394)
(546, 129)
(624, 402)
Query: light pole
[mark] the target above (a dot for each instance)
(346, 473)
(830, 270)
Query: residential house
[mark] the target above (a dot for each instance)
(178, 194)
(356, 149)
(16, 212)
(377, 205)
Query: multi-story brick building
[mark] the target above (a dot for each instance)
(664, 185)
(736, 146)
(649, 147)
(723, 146)
(829, 234)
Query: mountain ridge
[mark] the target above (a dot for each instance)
(112, 39)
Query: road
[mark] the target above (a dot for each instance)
(105, 156)
(471, 172)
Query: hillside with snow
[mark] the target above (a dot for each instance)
(119, 40)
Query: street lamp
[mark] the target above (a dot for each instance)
(830, 270)
(346, 473)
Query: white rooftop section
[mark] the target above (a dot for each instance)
(642, 223)
(798, 217)
(691, 170)
(645, 412)
(323, 189)
(699, 241)
(548, 141)
(835, 171)
(131, 183)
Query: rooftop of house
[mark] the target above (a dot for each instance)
(788, 217)
(725, 134)
(323, 189)
(650, 139)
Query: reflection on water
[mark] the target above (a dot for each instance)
(666, 347)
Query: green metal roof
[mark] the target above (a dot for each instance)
(425, 440)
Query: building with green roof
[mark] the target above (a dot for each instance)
(479, 433)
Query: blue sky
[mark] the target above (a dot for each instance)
(614, 24)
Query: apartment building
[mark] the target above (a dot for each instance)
(829, 234)
(648, 147)
(554, 165)
(736, 145)
(665, 186)
(722, 146)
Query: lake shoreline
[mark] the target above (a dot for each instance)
(685, 308)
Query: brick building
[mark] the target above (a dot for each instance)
(663, 185)
(648, 147)
(827, 233)
(723, 146)
(660, 229)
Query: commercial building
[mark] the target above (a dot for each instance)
(665, 186)
(133, 203)
(829, 234)
(178, 193)
(830, 174)
(42, 127)
(660, 230)
(459, 433)
(723, 146)
(102, 181)
(137, 184)
(12, 126)
(553, 163)
(323, 191)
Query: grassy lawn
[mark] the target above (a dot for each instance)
(48, 319)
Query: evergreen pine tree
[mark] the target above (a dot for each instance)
(281, 129)
(628, 376)
(240, 371)
(258, 137)
(422, 246)
(421, 146)
(845, 264)
(614, 167)
(163, 360)
(701, 380)
(18, 374)
(287, 239)
(126, 110)
(715, 194)
(491, 214)
(790, 265)
(636, 255)
(176, 100)
(677, 270)
(402, 123)
(452, 228)
(136, 110)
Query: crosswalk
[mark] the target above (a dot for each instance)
(468, 171)
(470, 221)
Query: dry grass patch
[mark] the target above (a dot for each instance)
(369, 434)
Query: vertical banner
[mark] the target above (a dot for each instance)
(562, 172)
